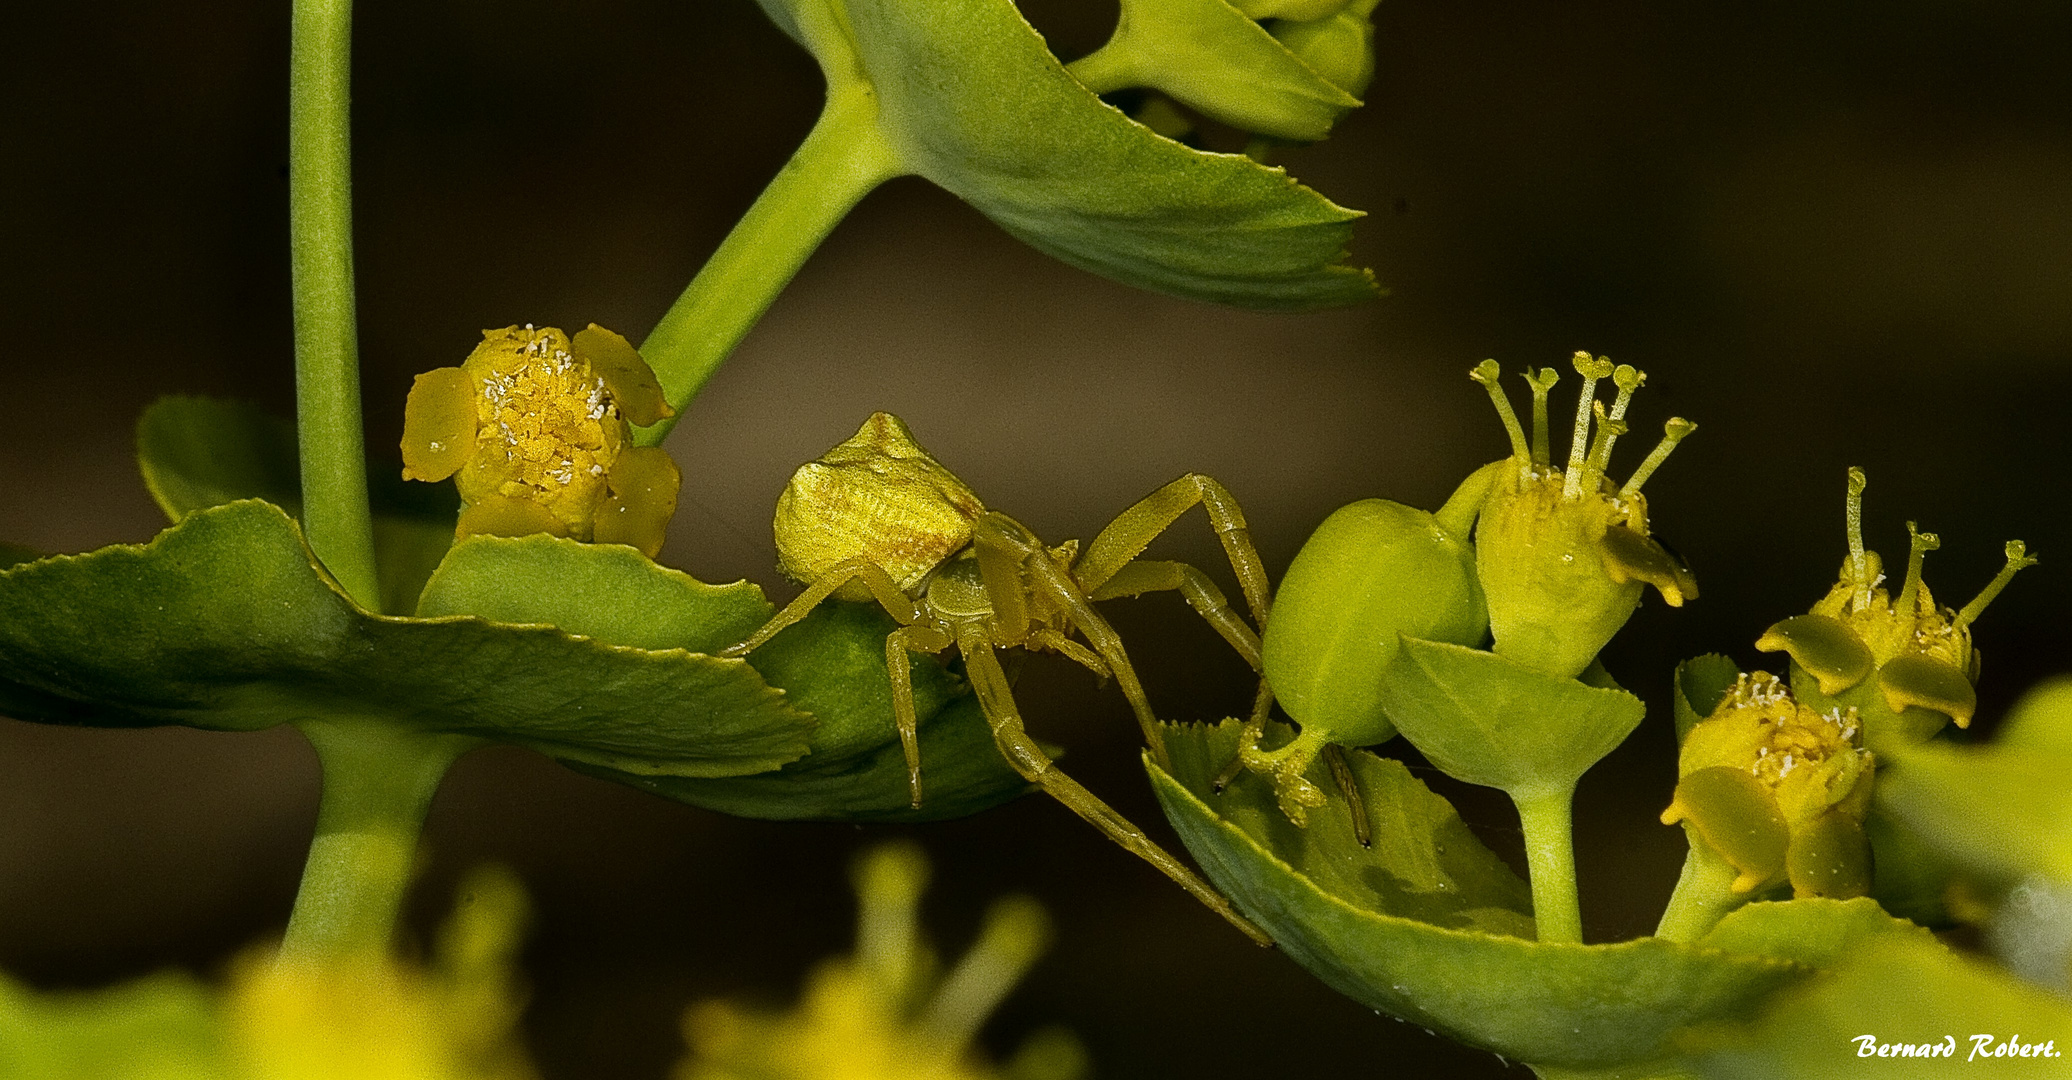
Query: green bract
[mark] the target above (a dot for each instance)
(223, 622)
(1429, 926)
(1489, 720)
(965, 94)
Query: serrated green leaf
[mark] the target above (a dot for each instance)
(15, 554)
(224, 622)
(1488, 720)
(1899, 990)
(970, 98)
(197, 452)
(1583, 1006)
(830, 665)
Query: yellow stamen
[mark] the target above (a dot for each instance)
(1488, 373)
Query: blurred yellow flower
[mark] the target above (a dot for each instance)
(883, 1014)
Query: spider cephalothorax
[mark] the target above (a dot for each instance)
(877, 518)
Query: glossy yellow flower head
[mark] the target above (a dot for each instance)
(877, 496)
(1903, 662)
(536, 429)
(885, 1014)
(1779, 790)
(1563, 553)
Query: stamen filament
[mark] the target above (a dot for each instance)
(1920, 544)
(1541, 384)
(1609, 428)
(1859, 567)
(1488, 373)
(2017, 557)
(1673, 432)
(1628, 379)
(1578, 447)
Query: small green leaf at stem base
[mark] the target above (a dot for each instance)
(1487, 720)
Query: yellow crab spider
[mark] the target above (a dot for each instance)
(877, 518)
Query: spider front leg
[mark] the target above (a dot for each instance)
(912, 634)
(896, 604)
(995, 698)
(917, 637)
(1018, 569)
(1145, 575)
(1133, 530)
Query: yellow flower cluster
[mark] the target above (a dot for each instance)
(1779, 790)
(535, 430)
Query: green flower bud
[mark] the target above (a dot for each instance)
(1373, 573)
(1779, 790)
(1213, 57)
(1902, 663)
(1562, 553)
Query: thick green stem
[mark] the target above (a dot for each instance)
(1550, 855)
(327, 365)
(1704, 895)
(842, 159)
(1108, 68)
(378, 782)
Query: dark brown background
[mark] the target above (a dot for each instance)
(1834, 234)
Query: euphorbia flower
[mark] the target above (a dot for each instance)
(1779, 790)
(534, 429)
(1563, 553)
(1905, 664)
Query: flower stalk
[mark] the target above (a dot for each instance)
(335, 517)
(842, 159)
(378, 783)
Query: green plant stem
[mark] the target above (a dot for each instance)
(378, 782)
(1704, 895)
(1550, 856)
(1108, 68)
(842, 159)
(335, 517)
